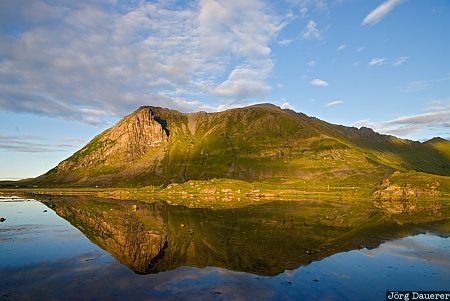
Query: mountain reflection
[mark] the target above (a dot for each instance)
(264, 239)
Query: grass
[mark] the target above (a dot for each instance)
(231, 193)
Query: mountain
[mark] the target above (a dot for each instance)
(264, 239)
(157, 146)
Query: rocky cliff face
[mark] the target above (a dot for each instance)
(129, 139)
(135, 135)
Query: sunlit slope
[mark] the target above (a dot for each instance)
(154, 146)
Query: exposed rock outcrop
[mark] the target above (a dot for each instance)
(396, 199)
(394, 192)
(129, 139)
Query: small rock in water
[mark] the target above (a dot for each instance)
(45, 210)
(286, 283)
(2, 219)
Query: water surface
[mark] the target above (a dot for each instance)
(91, 249)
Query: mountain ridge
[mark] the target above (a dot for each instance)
(157, 146)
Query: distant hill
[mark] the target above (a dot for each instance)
(157, 146)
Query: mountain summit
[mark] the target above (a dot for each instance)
(155, 146)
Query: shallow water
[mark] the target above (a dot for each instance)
(87, 249)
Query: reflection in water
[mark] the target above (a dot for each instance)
(265, 240)
(43, 257)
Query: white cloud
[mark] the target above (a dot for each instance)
(408, 124)
(243, 83)
(311, 63)
(287, 105)
(311, 31)
(360, 48)
(378, 13)
(285, 42)
(377, 61)
(425, 118)
(232, 105)
(400, 60)
(334, 103)
(85, 60)
(341, 47)
(318, 82)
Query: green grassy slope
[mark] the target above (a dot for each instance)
(255, 143)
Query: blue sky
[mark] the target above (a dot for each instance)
(70, 69)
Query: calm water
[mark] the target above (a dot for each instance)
(85, 249)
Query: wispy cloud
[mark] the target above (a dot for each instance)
(104, 58)
(439, 105)
(362, 122)
(318, 82)
(311, 31)
(341, 47)
(287, 105)
(285, 42)
(311, 63)
(334, 103)
(441, 117)
(377, 61)
(419, 85)
(416, 86)
(35, 144)
(378, 13)
(400, 60)
(408, 124)
(360, 48)
(303, 12)
(305, 6)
